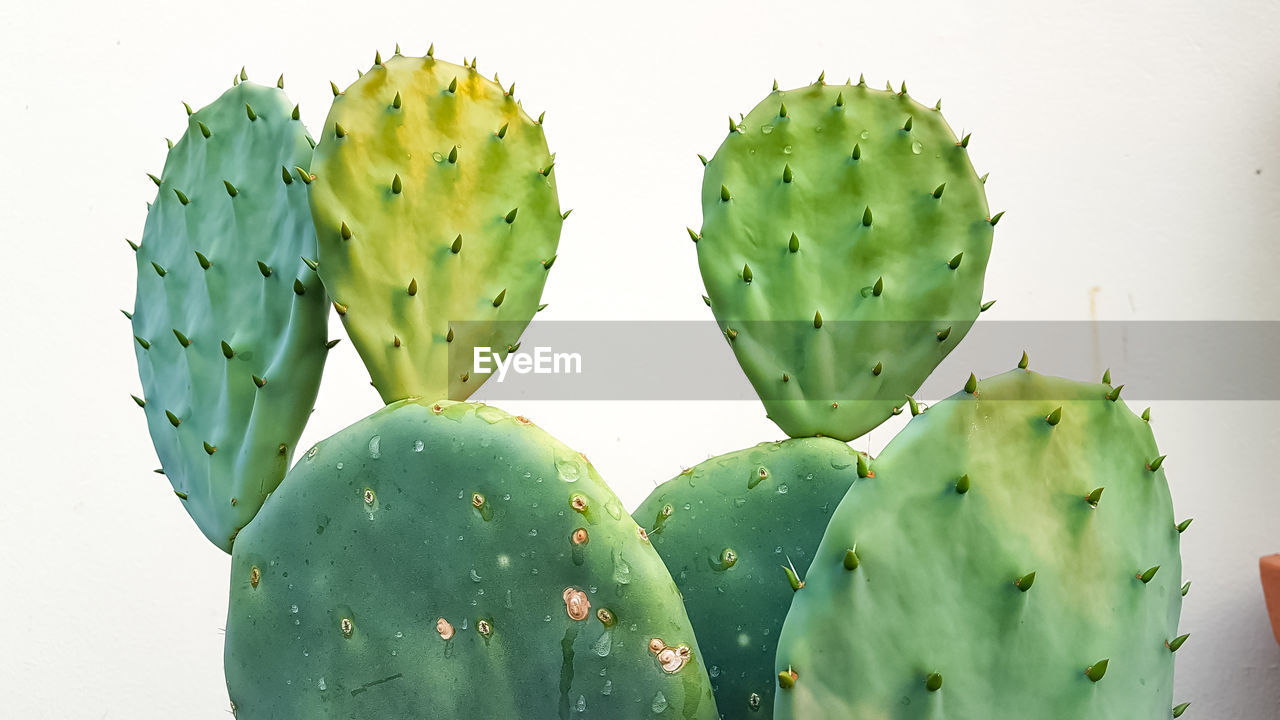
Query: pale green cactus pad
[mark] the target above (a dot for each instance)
(229, 322)
(1015, 556)
(448, 560)
(736, 532)
(845, 237)
(435, 204)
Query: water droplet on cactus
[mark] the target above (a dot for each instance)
(375, 447)
(864, 134)
(321, 684)
(614, 509)
(786, 149)
(659, 703)
(293, 609)
(437, 157)
(916, 147)
(608, 687)
(570, 470)
(338, 466)
(417, 446)
(621, 569)
(753, 701)
(714, 671)
(312, 452)
(582, 703)
(475, 576)
(603, 644)
(766, 129)
(782, 489)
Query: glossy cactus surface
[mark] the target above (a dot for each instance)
(229, 322)
(736, 531)
(436, 209)
(1015, 555)
(844, 242)
(449, 560)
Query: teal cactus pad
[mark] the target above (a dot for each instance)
(942, 617)
(448, 560)
(229, 323)
(844, 241)
(726, 529)
(435, 204)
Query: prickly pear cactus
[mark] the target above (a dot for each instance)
(844, 241)
(229, 323)
(1014, 556)
(448, 560)
(436, 208)
(736, 532)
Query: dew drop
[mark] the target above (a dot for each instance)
(865, 134)
(582, 703)
(293, 609)
(916, 147)
(766, 129)
(475, 576)
(375, 447)
(714, 671)
(437, 157)
(603, 644)
(321, 684)
(417, 446)
(608, 687)
(782, 489)
(786, 149)
(338, 466)
(621, 569)
(659, 703)
(570, 470)
(312, 452)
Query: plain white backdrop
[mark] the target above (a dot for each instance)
(1135, 145)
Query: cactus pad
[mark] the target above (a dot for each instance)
(448, 560)
(229, 324)
(991, 578)
(844, 242)
(435, 205)
(728, 530)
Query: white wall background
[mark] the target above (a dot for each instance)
(1136, 146)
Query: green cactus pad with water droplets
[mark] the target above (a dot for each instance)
(229, 323)
(449, 560)
(852, 225)
(726, 528)
(942, 585)
(436, 209)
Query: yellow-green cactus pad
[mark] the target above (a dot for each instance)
(435, 204)
(1015, 556)
(844, 241)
